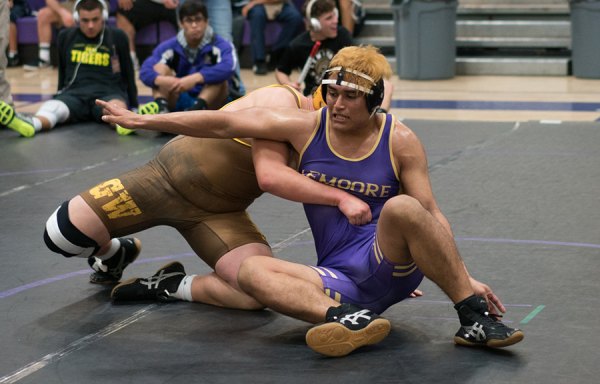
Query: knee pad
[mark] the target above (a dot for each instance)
(55, 111)
(61, 236)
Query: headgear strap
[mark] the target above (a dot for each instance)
(340, 79)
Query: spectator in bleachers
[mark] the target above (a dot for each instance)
(321, 17)
(258, 12)
(93, 63)
(132, 15)
(190, 71)
(18, 9)
(352, 15)
(56, 14)
(322, 24)
(221, 20)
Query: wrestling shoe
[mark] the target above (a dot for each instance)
(480, 328)
(110, 271)
(158, 287)
(16, 121)
(347, 328)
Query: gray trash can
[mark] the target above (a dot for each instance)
(585, 35)
(425, 38)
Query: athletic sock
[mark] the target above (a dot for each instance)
(37, 124)
(184, 291)
(44, 52)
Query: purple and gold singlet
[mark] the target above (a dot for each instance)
(348, 260)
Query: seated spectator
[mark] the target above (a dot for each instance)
(56, 14)
(321, 18)
(93, 63)
(258, 12)
(190, 71)
(352, 15)
(322, 26)
(5, 95)
(18, 9)
(133, 15)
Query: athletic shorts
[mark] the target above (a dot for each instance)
(386, 283)
(208, 220)
(18, 11)
(146, 12)
(82, 106)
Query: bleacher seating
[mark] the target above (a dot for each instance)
(145, 39)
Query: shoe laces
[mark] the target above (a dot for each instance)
(490, 319)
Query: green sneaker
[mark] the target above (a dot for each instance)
(16, 121)
(154, 107)
(124, 131)
(150, 108)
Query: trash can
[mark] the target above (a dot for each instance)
(425, 38)
(585, 31)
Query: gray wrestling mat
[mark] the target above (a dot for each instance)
(523, 200)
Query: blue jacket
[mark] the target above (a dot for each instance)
(216, 61)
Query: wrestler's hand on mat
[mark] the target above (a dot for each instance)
(357, 211)
(114, 114)
(416, 293)
(494, 304)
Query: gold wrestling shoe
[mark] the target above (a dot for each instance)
(347, 328)
(16, 121)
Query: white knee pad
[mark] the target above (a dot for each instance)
(55, 111)
(61, 236)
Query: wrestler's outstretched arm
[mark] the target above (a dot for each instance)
(278, 124)
(271, 161)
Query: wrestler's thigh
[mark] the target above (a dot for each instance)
(214, 235)
(393, 228)
(134, 201)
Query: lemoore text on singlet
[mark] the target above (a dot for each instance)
(358, 187)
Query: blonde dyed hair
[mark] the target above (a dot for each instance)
(366, 59)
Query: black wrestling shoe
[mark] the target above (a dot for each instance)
(111, 270)
(347, 328)
(480, 328)
(158, 287)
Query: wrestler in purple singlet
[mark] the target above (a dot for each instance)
(350, 263)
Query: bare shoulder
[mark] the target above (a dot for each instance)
(404, 138)
(268, 97)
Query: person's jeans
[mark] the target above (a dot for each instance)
(289, 17)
